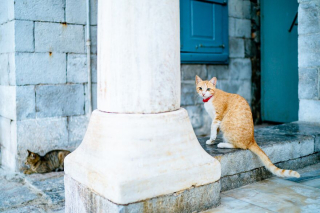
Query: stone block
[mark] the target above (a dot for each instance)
(7, 69)
(249, 48)
(309, 43)
(236, 47)
(239, 27)
(41, 136)
(309, 110)
(195, 113)
(7, 37)
(24, 41)
(235, 8)
(59, 37)
(238, 69)
(5, 141)
(308, 59)
(246, 8)
(308, 18)
(6, 11)
(59, 100)
(40, 68)
(189, 95)
(26, 102)
(77, 71)
(8, 102)
(308, 83)
(45, 10)
(25, 209)
(79, 198)
(76, 11)
(189, 71)
(77, 127)
(205, 129)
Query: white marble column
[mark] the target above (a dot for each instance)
(139, 144)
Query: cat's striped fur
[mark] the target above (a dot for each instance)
(52, 161)
(232, 115)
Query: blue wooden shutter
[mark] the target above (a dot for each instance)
(204, 31)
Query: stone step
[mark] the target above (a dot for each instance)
(289, 146)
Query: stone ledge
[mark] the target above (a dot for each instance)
(194, 199)
(289, 146)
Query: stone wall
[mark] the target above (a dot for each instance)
(233, 78)
(309, 60)
(43, 74)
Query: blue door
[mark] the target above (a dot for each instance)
(279, 61)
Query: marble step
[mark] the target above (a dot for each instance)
(289, 146)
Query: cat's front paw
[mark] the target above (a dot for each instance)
(27, 172)
(210, 142)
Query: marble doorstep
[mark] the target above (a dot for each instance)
(275, 195)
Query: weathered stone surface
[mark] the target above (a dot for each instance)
(205, 129)
(7, 69)
(236, 47)
(6, 11)
(5, 141)
(309, 14)
(25, 209)
(278, 147)
(24, 40)
(308, 83)
(238, 69)
(56, 37)
(235, 8)
(77, 127)
(189, 95)
(194, 113)
(53, 188)
(308, 50)
(309, 110)
(46, 10)
(190, 200)
(239, 27)
(59, 100)
(76, 11)
(189, 71)
(8, 102)
(42, 68)
(37, 135)
(246, 9)
(15, 196)
(77, 71)
(7, 37)
(94, 68)
(255, 175)
(25, 102)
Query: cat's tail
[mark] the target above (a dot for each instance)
(269, 165)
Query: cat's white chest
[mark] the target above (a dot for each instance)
(210, 109)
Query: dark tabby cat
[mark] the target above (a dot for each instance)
(52, 161)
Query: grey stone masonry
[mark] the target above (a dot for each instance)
(309, 60)
(43, 76)
(191, 200)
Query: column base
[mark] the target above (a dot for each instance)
(80, 198)
(128, 158)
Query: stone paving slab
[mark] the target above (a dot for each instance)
(274, 195)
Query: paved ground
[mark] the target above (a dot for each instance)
(31, 194)
(276, 195)
(45, 193)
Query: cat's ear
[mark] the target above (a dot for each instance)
(213, 81)
(198, 79)
(28, 151)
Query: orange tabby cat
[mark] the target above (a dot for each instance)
(231, 114)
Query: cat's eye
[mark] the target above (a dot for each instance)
(200, 88)
(208, 89)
